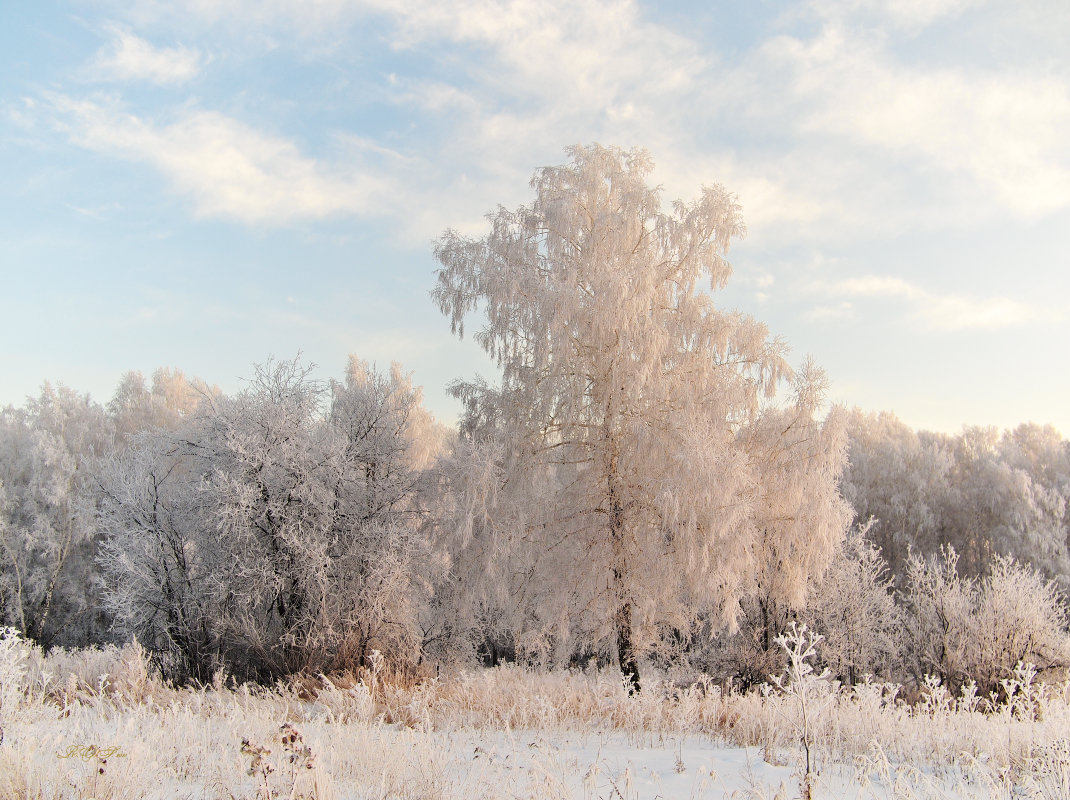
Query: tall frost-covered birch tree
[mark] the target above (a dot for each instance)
(626, 492)
(800, 515)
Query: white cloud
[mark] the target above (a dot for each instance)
(130, 57)
(527, 78)
(962, 313)
(911, 14)
(936, 312)
(866, 142)
(876, 285)
(532, 77)
(293, 14)
(229, 169)
(524, 79)
(837, 312)
(549, 69)
(1005, 130)
(432, 95)
(100, 213)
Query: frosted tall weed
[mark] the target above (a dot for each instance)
(809, 690)
(13, 654)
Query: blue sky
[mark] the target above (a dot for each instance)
(202, 184)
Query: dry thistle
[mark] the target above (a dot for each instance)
(258, 764)
(294, 744)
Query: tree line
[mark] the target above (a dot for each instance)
(650, 480)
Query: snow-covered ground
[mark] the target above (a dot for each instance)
(97, 724)
(186, 756)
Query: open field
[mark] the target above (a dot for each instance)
(97, 724)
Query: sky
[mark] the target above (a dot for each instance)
(204, 184)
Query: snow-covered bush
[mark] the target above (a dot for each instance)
(278, 530)
(158, 551)
(964, 629)
(852, 604)
(1021, 618)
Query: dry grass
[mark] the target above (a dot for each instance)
(98, 724)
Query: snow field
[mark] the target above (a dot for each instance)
(502, 733)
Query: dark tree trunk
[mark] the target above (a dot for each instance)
(626, 649)
(622, 616)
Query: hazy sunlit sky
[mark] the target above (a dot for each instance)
(202, 184)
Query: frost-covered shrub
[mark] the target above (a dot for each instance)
(964, 629)
(750, 656)
(277, 531)
(852, 605)
(939, 608)
(1020, 618)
